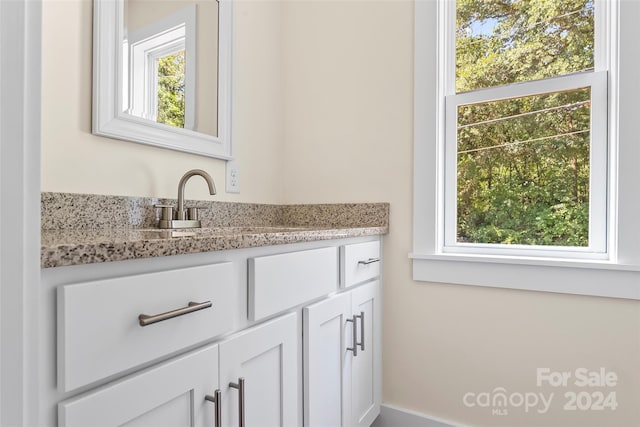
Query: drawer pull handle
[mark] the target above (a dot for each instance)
(361, 316)
(240, 386)
(216, 399)
(146, 320)
(369, 261)
(354, 335)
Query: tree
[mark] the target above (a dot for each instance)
(523, 163)
(171, 77)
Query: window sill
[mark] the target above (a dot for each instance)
(578, 277)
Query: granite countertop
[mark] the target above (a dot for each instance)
(72, 247)
(70, 237)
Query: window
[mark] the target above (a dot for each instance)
(517, 128)
(525, 154)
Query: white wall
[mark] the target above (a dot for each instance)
(348, 137)
(75, 161)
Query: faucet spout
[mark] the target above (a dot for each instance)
(182, 214)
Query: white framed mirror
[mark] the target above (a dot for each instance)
(162, 73)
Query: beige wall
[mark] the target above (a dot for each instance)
(75, 161)
(324, 114)
(348, 138)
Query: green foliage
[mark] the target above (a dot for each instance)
(523, 163)
(529, 39)
(171, 76)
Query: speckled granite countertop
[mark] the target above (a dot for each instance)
(73, 233)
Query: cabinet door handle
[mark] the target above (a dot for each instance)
(217, 395)
(361, 316)
(354, 337)
(146, 320)
(240, 386)
(369, 261)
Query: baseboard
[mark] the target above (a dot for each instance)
(393, 416)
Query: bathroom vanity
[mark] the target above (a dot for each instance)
(253, 326)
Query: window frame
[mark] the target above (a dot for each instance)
(596, 80)
(617, 273)
(598, 246)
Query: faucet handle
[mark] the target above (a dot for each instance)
(192, 212)
(166, 212)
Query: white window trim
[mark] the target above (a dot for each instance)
(616, 276)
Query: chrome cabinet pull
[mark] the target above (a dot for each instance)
(369, 261)
(146, 320)
(240, 387)
(361, 316)
(217, 414)
(354, 333)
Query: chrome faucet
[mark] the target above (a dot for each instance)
(184, 218)
(182, 213)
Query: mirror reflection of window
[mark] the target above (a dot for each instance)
(161, 70)
(154, 29)
(170, 105)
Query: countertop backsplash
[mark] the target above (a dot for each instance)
(89, 211)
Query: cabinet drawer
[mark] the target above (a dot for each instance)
(279, 282)
(99, 331)
(359, 263)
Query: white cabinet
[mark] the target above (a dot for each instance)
(99, 328)
(359, 262)
(171, 394)
(342, 359)
(327, 389)
(365, 367)
(265, 360)
(278, 282)
(256, 370)
(114, 371)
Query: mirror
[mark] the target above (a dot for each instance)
(162, 73)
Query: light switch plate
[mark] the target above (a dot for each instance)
(232, 177)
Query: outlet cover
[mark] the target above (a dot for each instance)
(233, 177)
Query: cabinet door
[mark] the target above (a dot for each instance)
(169, 395)
(266, 357)
(365, 369)
(327, 362)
